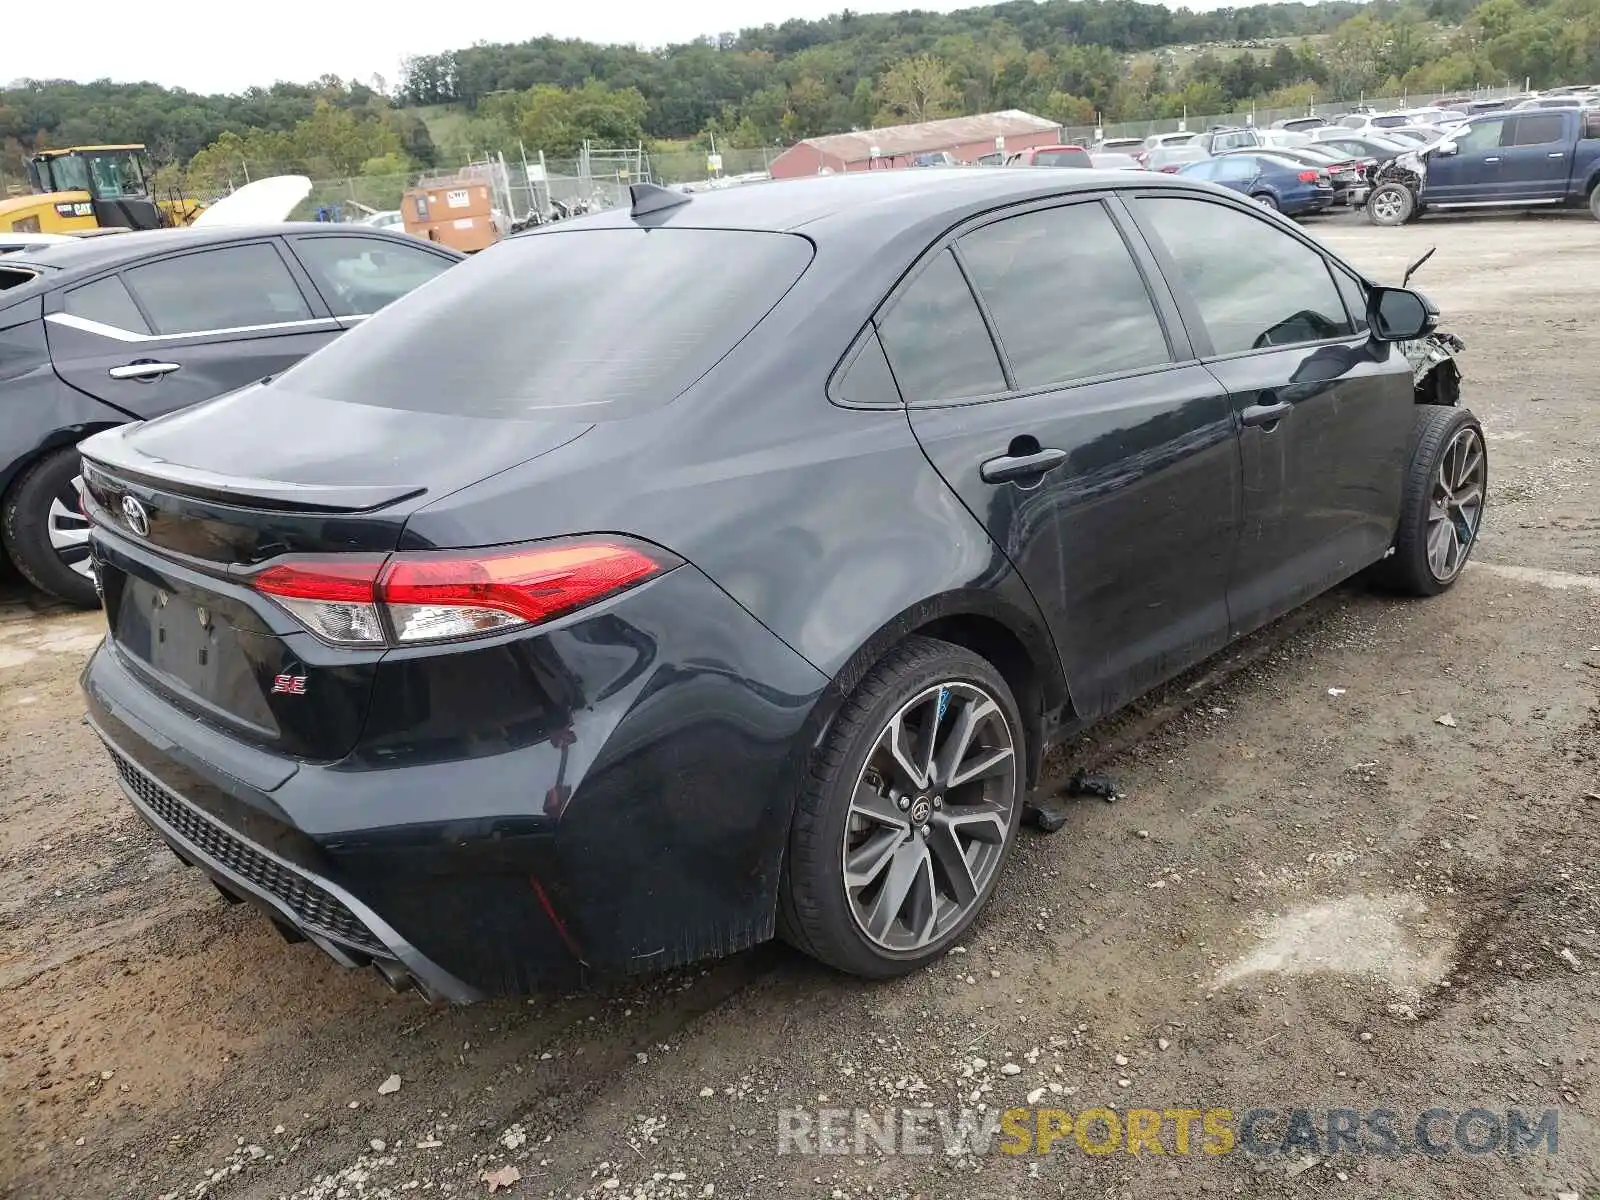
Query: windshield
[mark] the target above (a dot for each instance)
(588, 320)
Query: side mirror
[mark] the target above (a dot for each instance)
(1445, 149)
(1399, 315)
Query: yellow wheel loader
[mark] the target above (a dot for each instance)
(85, 188)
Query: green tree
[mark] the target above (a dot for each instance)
(914, 90)
(558, 120)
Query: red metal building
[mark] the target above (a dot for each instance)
(966, 139)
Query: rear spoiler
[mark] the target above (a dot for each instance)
(109, 453)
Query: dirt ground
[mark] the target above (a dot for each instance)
(1314, 892)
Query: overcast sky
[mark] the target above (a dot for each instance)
(184, 49)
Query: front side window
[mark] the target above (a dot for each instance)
(358, 276)
(936, 340)
(231, 287)
(1255, 286)
(1355, 297)
(116, 176)
(106, 302)
(1067, 301)
(1479, 136)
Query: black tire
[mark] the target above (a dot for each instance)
(815, 912)
(1410, 570)
(1266, 200)
(1594, 202)
(1390, 205)
(25, 527)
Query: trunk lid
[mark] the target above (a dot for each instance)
(177, 543)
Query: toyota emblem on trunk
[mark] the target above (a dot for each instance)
(133, 513)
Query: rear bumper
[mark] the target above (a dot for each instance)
(301, 904)
(626, 813)
(1299, 206)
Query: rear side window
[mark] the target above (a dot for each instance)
(1067, 301)
(1061, 158)
(936, 340)
(231, 287)
(1255, 285)
(868, 382)
(106, 302)
(1236, 168)
(357, 276)
(592, 319)
(1539, 129)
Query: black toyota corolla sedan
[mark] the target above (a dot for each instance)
(665, 580)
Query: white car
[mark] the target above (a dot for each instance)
(1367, 123)
(1158, 141)
(391, 219)
(11, 241)
(1285, 138)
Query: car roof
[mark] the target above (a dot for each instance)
(886, 201)
(93, 254)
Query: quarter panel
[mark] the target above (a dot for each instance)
(38, 413)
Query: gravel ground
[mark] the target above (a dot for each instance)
(1316, 891)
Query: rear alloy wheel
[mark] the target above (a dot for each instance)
(1266, 200)
(1441, 509)
(909, 812)
(45, 531)
(1390, 204)
(1594, 202)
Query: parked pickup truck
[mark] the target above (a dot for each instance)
(1548, 156)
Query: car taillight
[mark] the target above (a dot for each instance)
(334, 598)
(443, 595)
(1308, 176)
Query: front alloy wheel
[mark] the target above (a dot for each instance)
(908, 810)
(1390, 204)
(1441, 505)
(930, 816)
(1457, 504)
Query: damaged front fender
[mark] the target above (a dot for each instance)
(1410, 170)
(1434, 372)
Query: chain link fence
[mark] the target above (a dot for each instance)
(530, 186)
(1084, 135)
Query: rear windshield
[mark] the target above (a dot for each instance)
(1061, 158)
(598, 320)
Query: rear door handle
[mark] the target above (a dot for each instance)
(1557, 154)
(1495, 158)
(144, 370)
(1265, 415)
(1010, 467)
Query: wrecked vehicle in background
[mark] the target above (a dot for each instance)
(1524, 159)
(1434, 373)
